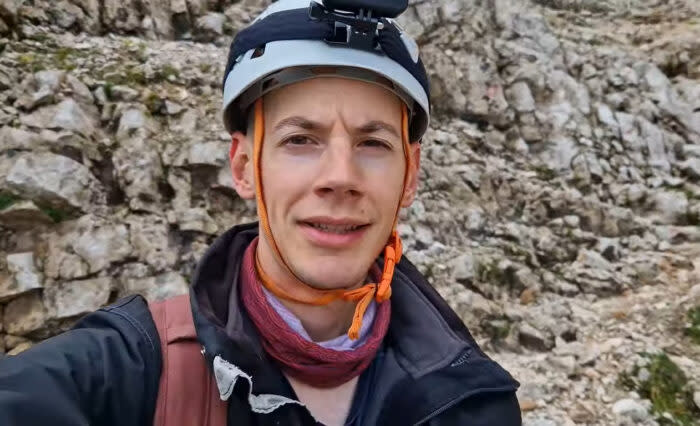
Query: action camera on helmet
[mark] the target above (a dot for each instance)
(378, 8)
(356, 22)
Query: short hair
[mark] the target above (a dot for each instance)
(250, 121)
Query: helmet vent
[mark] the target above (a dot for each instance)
(269, 83)
(258, 52)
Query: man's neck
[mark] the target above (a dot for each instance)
(323, 323)
(320, 322)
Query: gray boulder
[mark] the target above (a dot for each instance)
(67, 115)
(55, 180)
(73, 298)
(24, 276)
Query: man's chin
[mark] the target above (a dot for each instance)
(332, 278)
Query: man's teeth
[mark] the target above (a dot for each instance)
(336, 229)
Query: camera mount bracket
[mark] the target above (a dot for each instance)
(357, 30)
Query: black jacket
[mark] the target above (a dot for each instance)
(106, 370)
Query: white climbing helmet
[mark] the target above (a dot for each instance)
(296, 40)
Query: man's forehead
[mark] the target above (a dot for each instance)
(324, 92)
(319, 102)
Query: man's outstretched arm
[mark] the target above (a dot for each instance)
(103, 372)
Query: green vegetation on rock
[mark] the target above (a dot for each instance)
(6, 200)
(662, 382)
(63, 58)
(168, 71)
(490, 272)
(128, 75)
(55, 214)
(692, 329)
(544, 172)
(498, 328)
(29, 60)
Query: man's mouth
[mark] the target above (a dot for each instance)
(333, 232)
(335, 229)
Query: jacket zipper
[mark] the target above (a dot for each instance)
(459, 399)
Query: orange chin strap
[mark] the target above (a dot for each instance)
(304, 293)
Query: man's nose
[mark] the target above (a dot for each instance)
(339, 174)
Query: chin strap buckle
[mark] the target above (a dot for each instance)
(392, 256)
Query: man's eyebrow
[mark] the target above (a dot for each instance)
(377, 125)
(306, 124)
(297, 121)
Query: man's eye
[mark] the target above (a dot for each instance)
(374, 143)
(297, 140)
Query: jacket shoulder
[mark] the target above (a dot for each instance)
(130, 314)
(103, 371)
(497, 408)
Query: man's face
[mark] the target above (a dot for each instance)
(333, 168)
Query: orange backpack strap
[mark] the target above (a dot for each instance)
(187, 393)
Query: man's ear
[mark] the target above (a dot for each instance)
(409, 193)
(241, 161)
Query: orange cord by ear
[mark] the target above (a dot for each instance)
(311, 296)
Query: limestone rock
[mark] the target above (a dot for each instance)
(133, 121)
(11, 341)
(73, 298)
(691, 151)
(90, 19)
(224, 179)
(157, 287)
(8, 13)
(20, 348)
(210, 26)
(24, 215)
(630, 408)
(87, 245)
(123, 16)
(520, 97)
(67, 115)
(208, 153)
(172, 108)
(100, 246)
(67, 15)
(187, 122)
(471, 307)
(670, 206)
(25, 314)
(40, 89)
(24, 276)
(55, 180)
(126, 94)
(139, 170)
(558, 153)
(464, 268)
(691, 167)
(160, 15)
(541, 421)
(532, 338)
(194, 219)
(181, 182)
(65, 265)
(13, 138)
(149, 236)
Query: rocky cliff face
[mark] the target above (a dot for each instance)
(559, 208)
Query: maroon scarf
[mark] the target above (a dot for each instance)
(298, 357)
